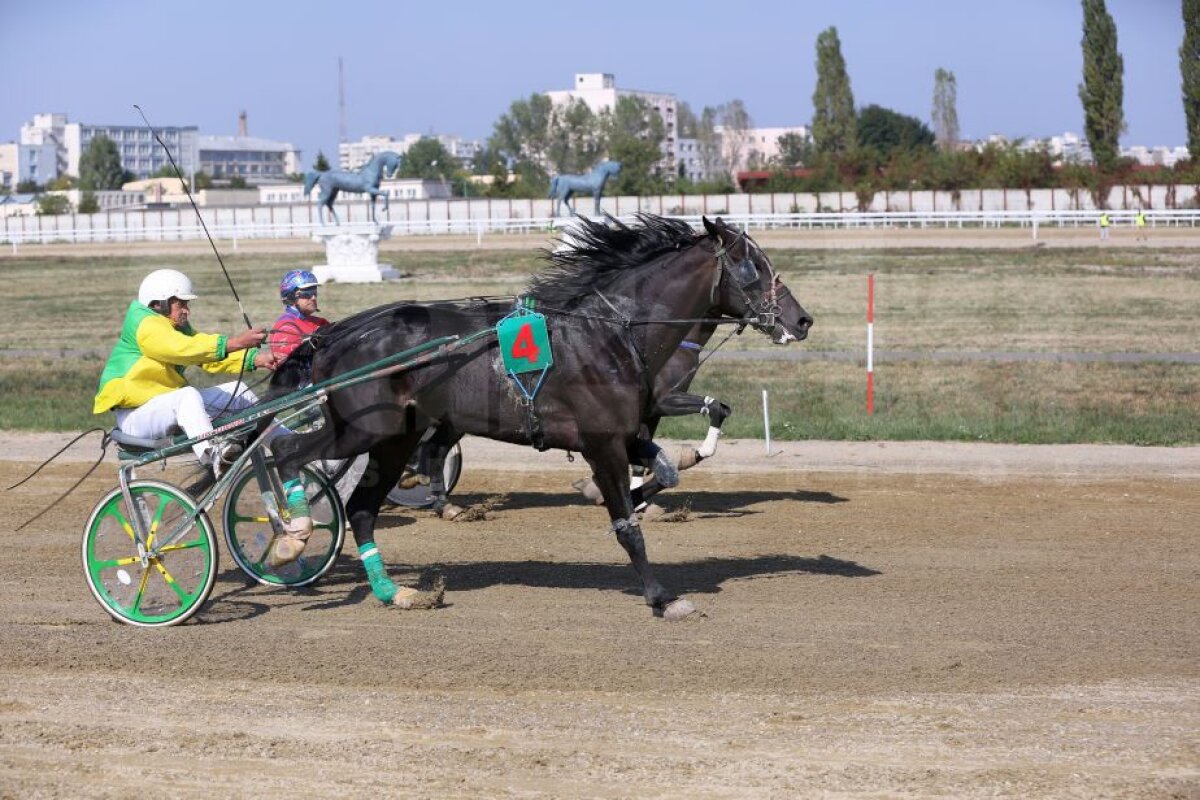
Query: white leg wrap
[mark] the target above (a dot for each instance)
(709, 446)
(636, 481)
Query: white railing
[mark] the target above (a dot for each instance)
(101, 228)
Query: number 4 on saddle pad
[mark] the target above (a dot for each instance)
(524, 342)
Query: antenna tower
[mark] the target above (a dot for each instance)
(341, 104)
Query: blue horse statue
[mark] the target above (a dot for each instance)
(563, 187)
(365, 181)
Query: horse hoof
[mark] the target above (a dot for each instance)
(451, 511)
(688, 458)
(678, 609)
(411, 599)
(587, 487)
(652, 512)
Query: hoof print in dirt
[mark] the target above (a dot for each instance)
(479, 512)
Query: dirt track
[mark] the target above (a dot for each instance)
(896, 620)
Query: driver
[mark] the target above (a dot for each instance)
(143, 380)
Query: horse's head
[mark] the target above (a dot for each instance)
(747, 286)
(389, 162)
(610, 169)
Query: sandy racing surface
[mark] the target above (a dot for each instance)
(880, 620)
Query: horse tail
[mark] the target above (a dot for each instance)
(310, 180)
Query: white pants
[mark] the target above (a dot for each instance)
(188, 408)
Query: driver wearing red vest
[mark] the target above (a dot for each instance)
(298, 291)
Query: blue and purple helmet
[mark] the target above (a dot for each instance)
(293, 280)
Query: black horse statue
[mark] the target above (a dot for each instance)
(618, 303)
(365, 181)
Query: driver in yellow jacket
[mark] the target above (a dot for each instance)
(143, 380)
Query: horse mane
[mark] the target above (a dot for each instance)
(597, 253)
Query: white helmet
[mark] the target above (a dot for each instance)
(163, 284)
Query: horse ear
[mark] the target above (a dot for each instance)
(712, 229)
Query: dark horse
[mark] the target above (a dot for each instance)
(366, 180)
(618, 303)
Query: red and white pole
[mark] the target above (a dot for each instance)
(870, 344)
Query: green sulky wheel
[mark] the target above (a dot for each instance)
(248, 531)
(173, 579)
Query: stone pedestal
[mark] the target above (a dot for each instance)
(352, 254)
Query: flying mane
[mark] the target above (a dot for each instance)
(598, 253)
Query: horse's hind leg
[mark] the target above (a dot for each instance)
(610, 467)
(387, 463)
(433, 463)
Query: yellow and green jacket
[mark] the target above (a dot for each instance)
(150, 356)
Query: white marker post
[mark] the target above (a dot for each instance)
(870, 344)
(766, 422)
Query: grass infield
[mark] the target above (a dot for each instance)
(59, 316)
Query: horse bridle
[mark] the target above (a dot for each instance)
(766, 311)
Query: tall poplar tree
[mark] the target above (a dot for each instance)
(1102, 91)
(833, 126)
(1189, 66)
(945, 108)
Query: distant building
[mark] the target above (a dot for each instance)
(140, 153)
(402, 189)
(353, 155)
(258, 161)
(599, 91)
(8, 166)
(754, 148)
(1159, 156)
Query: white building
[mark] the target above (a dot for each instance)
(402, 189)
(140, 153)
(352, 155)
(753, 148)
(1160, 156)
(599, 91)
(256, 160)
(8, 165)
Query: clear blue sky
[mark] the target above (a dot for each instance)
(455, 67)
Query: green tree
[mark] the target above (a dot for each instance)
(51, 204)
(1025, 168)
(795, 150)
(62, 183)
(28, 186)
(1189, 65)
(708, 145)
(203, 180)
(833, 102)
(428, 159)
(1102, 92)
(237, 182)
(686, 120)
(634, 133)
(88, 203)
(574, 142)
(735, 133)
(100, 166)
(886, 131)
(521, 137)
(321, 164)
(945, 108)
(952, 171)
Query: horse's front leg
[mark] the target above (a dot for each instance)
(387, 463)
(610, 468)
(680, 404)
